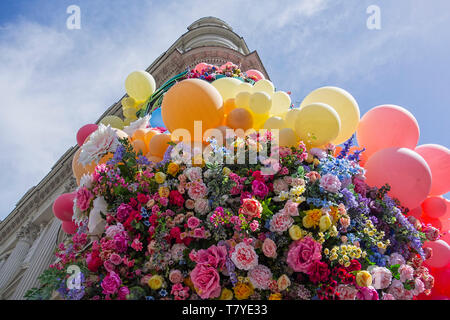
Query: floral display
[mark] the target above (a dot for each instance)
(174, 228)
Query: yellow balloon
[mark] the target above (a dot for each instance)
(113, 121)
(264, 85)
(244, 87)
(129, 112)
(140, 85)
(259, 120)
(281, 102)
(227, 87)
(343, 103)
(274, 123)
(242, 99)
(317, 124)
(288, 137)
(260, 102)
(290, 117)
(128, 102)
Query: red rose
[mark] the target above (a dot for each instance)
(251, 208)
(93, 261)
(319, 272)
(354, 266)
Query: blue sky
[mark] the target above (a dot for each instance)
(54, 80)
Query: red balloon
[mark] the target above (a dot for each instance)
(434, 222)
(69, 227)
(441, 253)
(387, 126)
(404, 170)
(445, 221)
(84, 132)
(416, 212)
(63, 206)
(434, 207)
(441, 280)
(438, 159)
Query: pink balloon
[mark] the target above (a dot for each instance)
(387, 126)
(441, 253)
(84, 132)
(434, 207)
(63, 206)
(404, 170)
(201, 67)
(255, 73)
(445, 221)
(438, 159)
(69, 227)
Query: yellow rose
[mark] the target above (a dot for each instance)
(283, 282)
(226, 294)
(324, 222)
(163, 192)
(155, 282)
(363, 279)
(275, 296)
(160, 177)
(173, 169)
(307, 222)
(243, 290)
(295, 232)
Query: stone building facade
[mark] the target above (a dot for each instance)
(30, 233)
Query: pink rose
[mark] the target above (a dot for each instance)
(397, 290)
(193, 222)
(197, 190)
(111, 283)
(367, 293)
(280, 185)
(330, 183)
(291, 208)
(244, 256)
(406, 272)
(206, 281)
(346, 292)
(251, 208)
(84, 197)
(303, 253)
(260, 276)
(214, 256)
(190, 204)
(388, 296)
(123, 293)
(194, 174)
(260, 189)
(175, 276)
(419, 287)
(269, 248)
(199, 233)
(115, 259)
(281, 222)
(201, 206)
(381, 277)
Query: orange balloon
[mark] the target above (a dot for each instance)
(153, 158)
(139, 145)
(240, 118)
(140, 134)
(158, 144)
(192, 100)
(149, 135)
(77, 168)
(229, 105)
